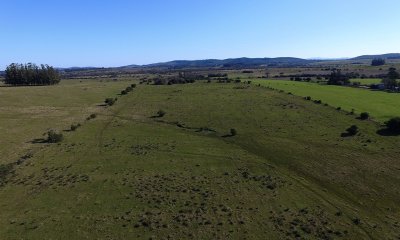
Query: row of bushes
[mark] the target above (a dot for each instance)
(112, 101)
(172, 81)
(392, 126)
(56, 137)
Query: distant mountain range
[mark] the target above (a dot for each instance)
(255, 62)
(227, 63)
(384, 56)
(242, 62)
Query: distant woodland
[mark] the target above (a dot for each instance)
(31, 75)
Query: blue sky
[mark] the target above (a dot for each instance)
(121, 32)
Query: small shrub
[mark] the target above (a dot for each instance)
(128, 89)
(133, 85)
(339, 108)
(110, 101)
(353, 130)
(317, 101)
(233, 132)
(393, 125)
(92, 116)
(124, 92)
(5, 169)
(356, 221)
(308, 98)
(352, 112)
(364, 116)
(75, 126)
(54, 137)
(161, 113)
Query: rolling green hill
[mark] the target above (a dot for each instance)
(130, 175)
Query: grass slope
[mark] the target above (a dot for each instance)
(380, 105)
(287, 174)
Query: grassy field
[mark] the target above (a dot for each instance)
(380, 105)
(366, 81)
(126, 174)
(28, 112)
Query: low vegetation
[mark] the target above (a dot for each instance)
(161, 113)
(233, 132)
(74, 127)
(364, 116)
(351, 131)
(110, 101)
(54, 137)
(393, 125)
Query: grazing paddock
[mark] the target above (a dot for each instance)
(381, 105)
(222, 162)
(366, 81)
(28, 112)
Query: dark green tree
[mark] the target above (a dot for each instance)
(378, 62)
(31, 74)
(393, 125)
(337, 78)
(391, 79)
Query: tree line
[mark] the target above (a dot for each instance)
(31, 74)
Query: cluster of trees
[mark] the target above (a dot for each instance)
(217, 75)
(182, 78)
(338, 78)
(390, 80)
(31, 74)
(378, 62)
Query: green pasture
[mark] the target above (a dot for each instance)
(28, 112)
(366, 81)
(128, 174)
(381, 105)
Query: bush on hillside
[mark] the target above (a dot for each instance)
(233, 132)
(161, 113)
(353, 130)
(92, 116)
(110, 101)
(393, 125)
(75, 126)
(54, 137)
(364, 116)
